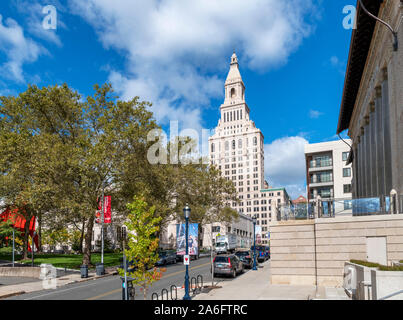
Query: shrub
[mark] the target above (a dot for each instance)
(377, 265)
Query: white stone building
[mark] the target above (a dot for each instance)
(328, 174)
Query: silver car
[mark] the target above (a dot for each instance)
(228, 265)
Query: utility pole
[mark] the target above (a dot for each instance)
(102, 226)
(125, 268)
(13, 245)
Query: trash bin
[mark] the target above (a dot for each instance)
(130, 288)
(100, 269)
(84, 271)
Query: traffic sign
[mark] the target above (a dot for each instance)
(186, 260)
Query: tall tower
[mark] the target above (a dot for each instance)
(237, 146)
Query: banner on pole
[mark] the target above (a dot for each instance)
(107, 211)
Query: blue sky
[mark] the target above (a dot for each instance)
(176, 54)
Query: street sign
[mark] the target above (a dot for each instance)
(186, 260)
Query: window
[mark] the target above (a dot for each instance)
(347, 188)
(216, 229)
(346, 172)
(239, 143)
(226, 145)
(255, 141)
(345, 156)
(233, 144)
(212, 148)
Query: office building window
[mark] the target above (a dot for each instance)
(347, 188)
(346, 172)
(345, 156)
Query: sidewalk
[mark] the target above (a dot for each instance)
(27, 287)
(255, 285)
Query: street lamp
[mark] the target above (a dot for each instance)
(254, 242)
(186, 212)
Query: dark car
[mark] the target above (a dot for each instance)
(130, 265)
(246, 256)
(228, 265)
(166, 257)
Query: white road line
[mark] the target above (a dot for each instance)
(69, 289)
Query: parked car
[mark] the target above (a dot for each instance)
(166, 257)
(228, 265)
(246, 256)
(130, 265)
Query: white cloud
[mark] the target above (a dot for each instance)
(285, 164)
(173, 48)
(17, 48)
(314, 114)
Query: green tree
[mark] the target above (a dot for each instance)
(59, 152)
(143, 243)
(6, 233)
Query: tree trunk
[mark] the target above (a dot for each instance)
(26, 237)
(82, 236)
(88, 238)
(40, 233)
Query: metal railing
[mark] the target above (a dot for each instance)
(330, 208)
(320, 163)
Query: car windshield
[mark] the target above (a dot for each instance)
(220, 244)
(242, 253)
(221, 259)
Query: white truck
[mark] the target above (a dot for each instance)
(226, 243)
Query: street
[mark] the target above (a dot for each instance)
(109, 288)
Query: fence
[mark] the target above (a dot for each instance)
(330, 208)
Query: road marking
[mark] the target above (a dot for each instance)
(169, 275)
(65, 290)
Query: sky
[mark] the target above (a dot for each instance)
(176, 53)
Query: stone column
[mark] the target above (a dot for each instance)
(380, 160)
(387, 134)
(367, 134)
(364, 160)
(372, 120)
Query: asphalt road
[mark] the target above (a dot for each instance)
(109, 288)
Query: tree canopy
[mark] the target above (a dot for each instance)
(58, 152)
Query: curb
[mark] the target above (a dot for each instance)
(17, 293)
(95, 278)
(8, 295)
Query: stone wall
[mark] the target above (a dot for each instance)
(310, 251)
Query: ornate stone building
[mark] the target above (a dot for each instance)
(237, 149)
(372, 103)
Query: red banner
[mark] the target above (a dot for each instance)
(107, 211)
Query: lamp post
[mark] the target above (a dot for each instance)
(254, 242)
(186, 212)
